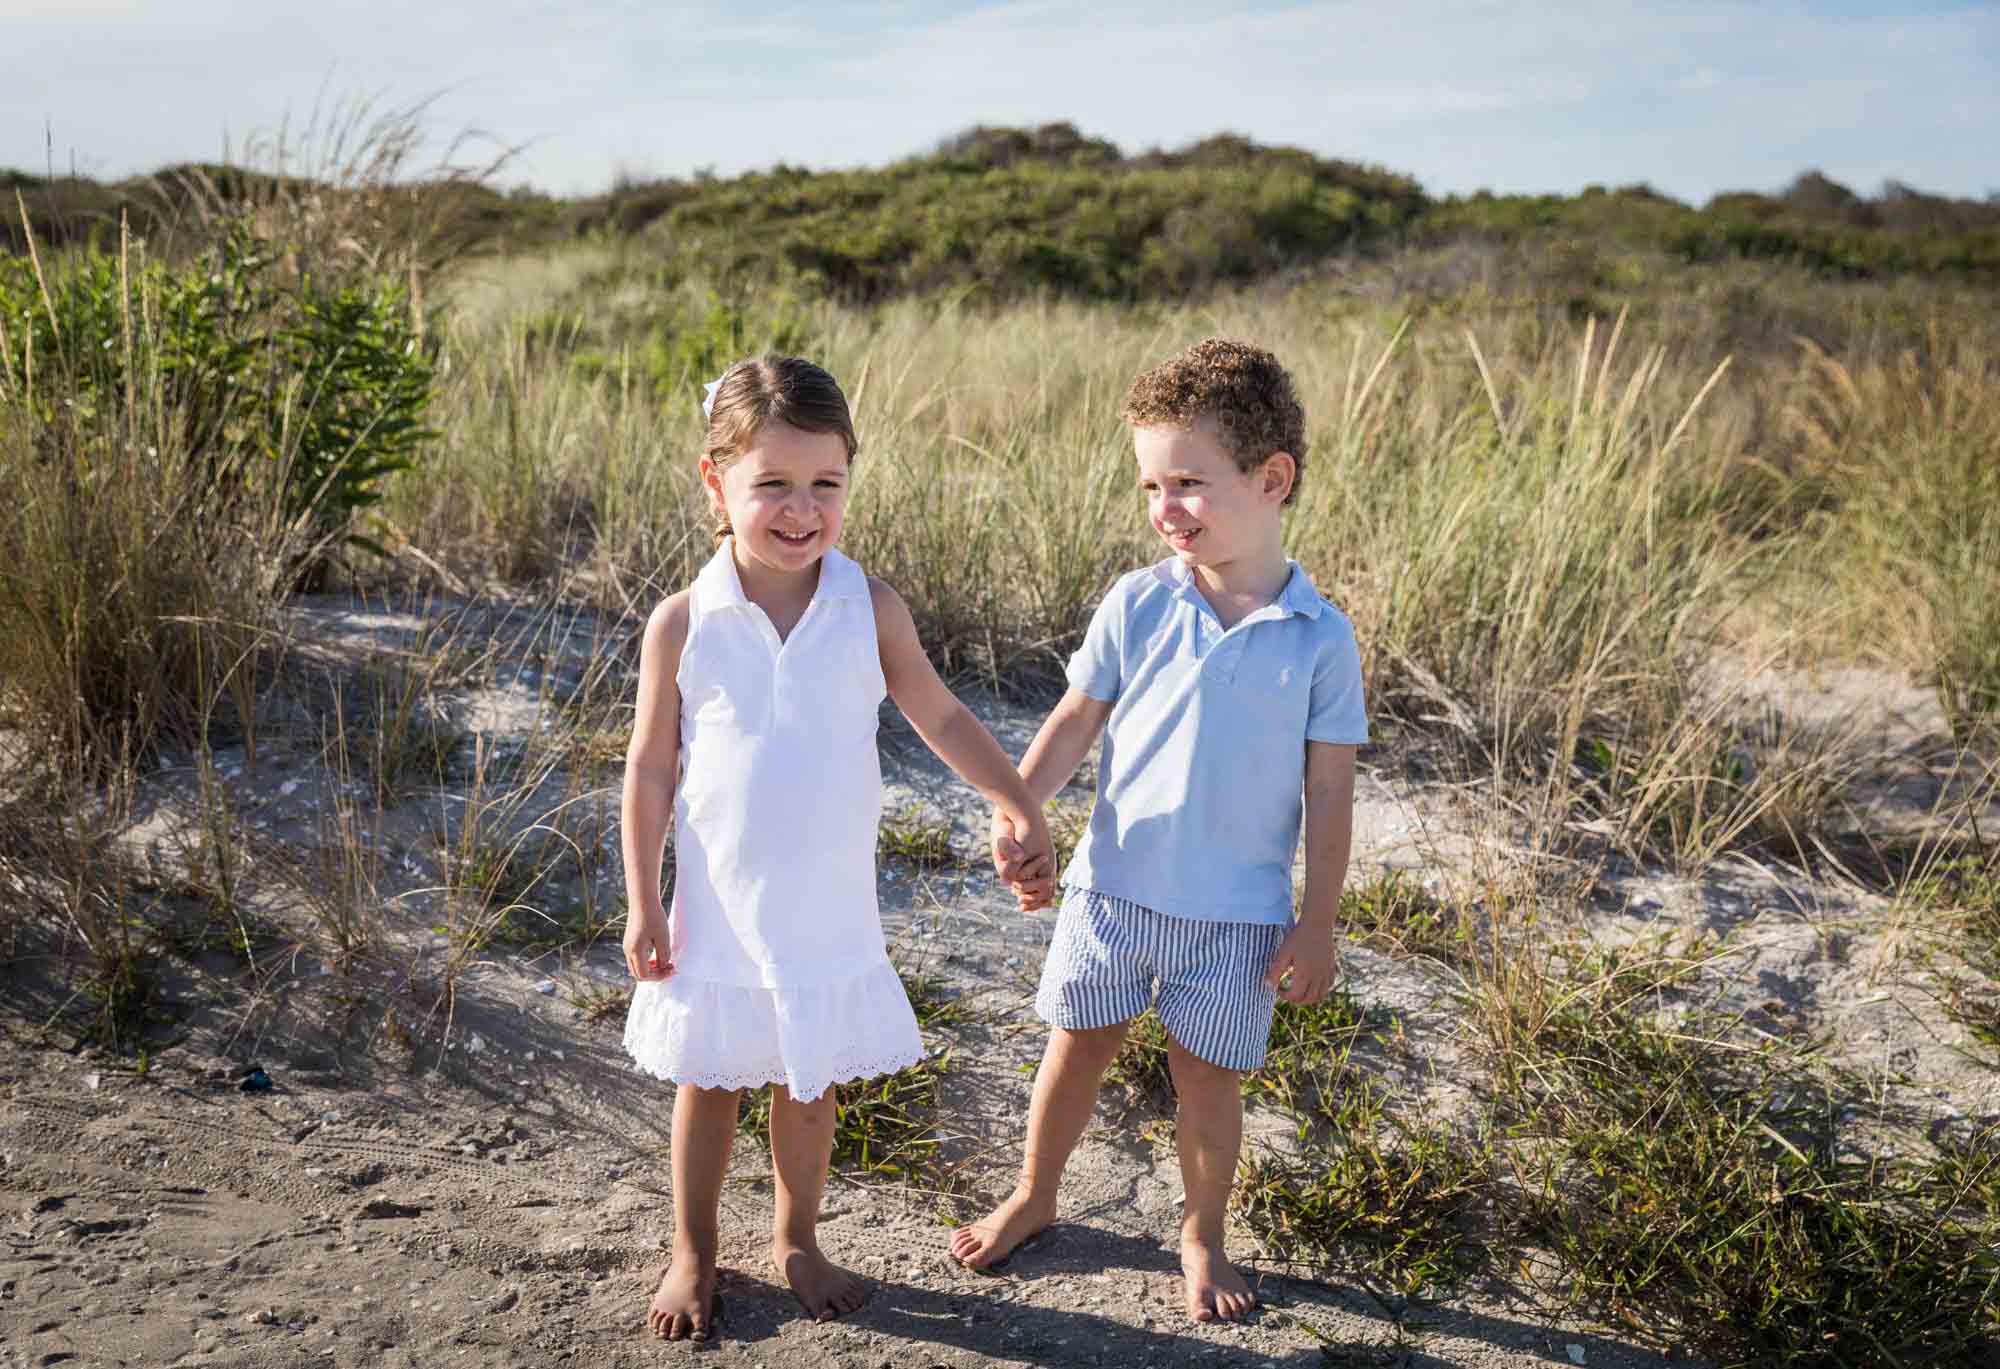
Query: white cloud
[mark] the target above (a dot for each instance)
(1692, 95)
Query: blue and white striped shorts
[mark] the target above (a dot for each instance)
(1107, 952)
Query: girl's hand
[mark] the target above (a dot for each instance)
(1024, 857)
(649, 953)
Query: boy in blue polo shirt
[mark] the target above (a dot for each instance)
(1229, 694)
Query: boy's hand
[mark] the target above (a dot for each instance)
(1306, 957)
(1024, 858)
(649, 952)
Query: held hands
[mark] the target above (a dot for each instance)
(1306, 959)
(1024, 857)
(649, 952)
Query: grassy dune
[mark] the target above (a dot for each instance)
(1583, 489)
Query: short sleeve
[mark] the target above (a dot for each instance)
(1337, 712)
(1098, 667)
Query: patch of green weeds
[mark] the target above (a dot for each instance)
(1140, 1068)
(1308, 1049)
(597, 1002)
(916, 839)
(883, 1126)
(1364, 1189)
(207, 927)
(886, 1126)
(937, 1004)
(1685, 1180)
(534, 890)
(552, 925)
(123, 994)
(1309, 1044)
(1961, 893)
(1394, 913)
(1369, 1192)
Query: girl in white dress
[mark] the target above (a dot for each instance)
(755, 734)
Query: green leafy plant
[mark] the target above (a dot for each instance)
(917, 840)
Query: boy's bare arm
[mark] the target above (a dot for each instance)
(948, 726)
(1329, 831)
(1064, 740)
(1306, 954)
(646, 806)
(1058, 748)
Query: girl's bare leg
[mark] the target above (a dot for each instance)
(1065, 1092)
(1208, 1132)
(704, 1125)
(801, 1147)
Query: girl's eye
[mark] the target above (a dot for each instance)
(828, 484)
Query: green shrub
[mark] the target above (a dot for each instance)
(186, 442)
(320, 391)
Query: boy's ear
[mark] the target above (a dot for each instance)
(1280, 470)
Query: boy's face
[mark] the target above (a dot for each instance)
(1209, 511)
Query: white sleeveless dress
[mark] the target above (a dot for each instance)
(780, 972)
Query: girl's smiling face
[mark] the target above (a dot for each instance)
(784, 494)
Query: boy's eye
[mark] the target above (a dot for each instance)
(828, 484)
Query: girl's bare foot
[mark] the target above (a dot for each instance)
(823, 1288)
(1215, 1291)
(683, 1308)
(984, 1243)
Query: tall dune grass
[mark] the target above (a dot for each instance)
(1539, 529)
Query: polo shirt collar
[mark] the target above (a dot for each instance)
(1297, 596)
(718, 587)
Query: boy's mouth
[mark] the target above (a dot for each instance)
(1182, 538)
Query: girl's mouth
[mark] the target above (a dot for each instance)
(794, 539)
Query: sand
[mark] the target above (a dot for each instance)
(487, 1183)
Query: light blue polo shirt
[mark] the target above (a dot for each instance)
(1201, 786)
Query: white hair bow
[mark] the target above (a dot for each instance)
(708, 397)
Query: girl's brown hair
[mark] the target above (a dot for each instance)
(766, 389)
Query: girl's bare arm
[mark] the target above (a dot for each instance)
(652, 768)
(949, 729)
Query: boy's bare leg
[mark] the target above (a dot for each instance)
(801, 1147)
(704, 1125)
(1065, 1092)
(1208, 1132)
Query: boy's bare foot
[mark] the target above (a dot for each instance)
(983, 1244)
(822, 1287)
(1215, 1291)
(683, 1307)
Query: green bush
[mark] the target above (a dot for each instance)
(317, 392)
(181, 444)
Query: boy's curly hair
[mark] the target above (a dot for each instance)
(1242, 388)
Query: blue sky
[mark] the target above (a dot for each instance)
(1693, 96)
